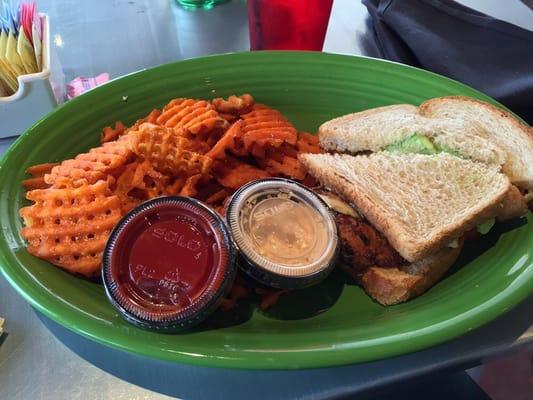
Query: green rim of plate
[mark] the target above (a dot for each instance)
(309, 88)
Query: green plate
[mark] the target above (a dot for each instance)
(332, 324)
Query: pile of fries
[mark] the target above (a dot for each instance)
(198, 148)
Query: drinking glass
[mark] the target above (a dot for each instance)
(288, 24)
(205, 4)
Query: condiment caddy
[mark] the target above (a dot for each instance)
(37, 94)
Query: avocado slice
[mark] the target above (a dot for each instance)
(413, 144)
(417, 143)
(446, 149)
(486, 226)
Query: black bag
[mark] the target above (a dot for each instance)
(448, 38)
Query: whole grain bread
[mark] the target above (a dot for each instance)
(390, 286)
(420, 203)
(475, 129)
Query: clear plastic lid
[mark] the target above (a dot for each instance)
(283, 228)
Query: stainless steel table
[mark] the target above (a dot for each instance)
(41, 360)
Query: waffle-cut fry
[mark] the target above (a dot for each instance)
(94, 165)
(128, 203)
(69, 183)
(281, 163)
(289, 167)
(35, 183)
(203, 149)
(200, 143)
(227, 142)
(114, 153)
(181, 101)
(208, 187)
(139, 182)
(77, 169)
(150, 118)
(235, 174)
(168, 152)
(229, 117)
(268, 134)
(308, 143)
(234, 105)
(153, 116)
(40, 169)
(37, 172)
(258, 129)
(134, 175)
(174, 188)
(109, 133)
(201, 120)
(190, 189)
(221, 209)
(265, 126)
(217, 197)
(69, 227)
(285, 149)
(258, 151)
(195, 116)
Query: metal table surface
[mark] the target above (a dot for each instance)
(41, 360)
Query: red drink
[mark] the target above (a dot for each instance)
(288, 24)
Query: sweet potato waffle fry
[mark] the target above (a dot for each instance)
(200, 143)
(280, 164)
(37, 173)
(233, 106)
(284, 160)
(308, 143)
(75, 170)
(195, 116)
(139, 181)
(259, 129)
(109, 134)
(203, 149)
(232, 173)
(151, 118)
(190, 187)
(168, 152)
(230, 141)
(266, 126)
(69, 227)
(95, 165)
(40, 169)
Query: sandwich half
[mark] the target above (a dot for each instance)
(421, 177)
(461, 126)
(421, 204)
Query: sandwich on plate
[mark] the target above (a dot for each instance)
(410, 184)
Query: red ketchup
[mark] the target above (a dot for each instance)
(168, 263)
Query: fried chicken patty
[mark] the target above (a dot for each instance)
(362, 246)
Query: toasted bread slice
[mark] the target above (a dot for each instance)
(475, 129)
(390, 286)
(420, 203)
(514, 205)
